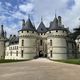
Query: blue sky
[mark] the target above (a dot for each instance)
(13, 11)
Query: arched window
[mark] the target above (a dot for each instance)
(50, 42)
(22, 53)
(41, 42)
(22, 42)
(51, 53)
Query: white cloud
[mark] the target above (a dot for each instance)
(8, 4)
(46, 8)
(28, 7)
(19, 15)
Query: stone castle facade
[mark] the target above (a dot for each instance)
(53, 42)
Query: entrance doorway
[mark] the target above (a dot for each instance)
(41, 54)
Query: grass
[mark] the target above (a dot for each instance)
(10, 61)
(70, 61)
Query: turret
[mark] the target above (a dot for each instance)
(27, 40)
(2, 43)
(57, 48)
(1, 31)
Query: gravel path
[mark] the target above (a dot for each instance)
(39, 69)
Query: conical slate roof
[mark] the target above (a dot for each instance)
(55, 26)
(42, 28)
(28, 26)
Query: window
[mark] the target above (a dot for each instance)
(22, 53)
(50, 42)
(22, 31)
(17, 47)
(40, 42)
(27, 31)
(16, 53)
(11, 48)
(41, 33)
(22, 42)
(41, 29)
(49, 31)
(32, 31)
(51, 53)
(56, 30)
(11, 53)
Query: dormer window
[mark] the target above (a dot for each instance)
(41, 29)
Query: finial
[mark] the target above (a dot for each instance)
(23, 22)
(5, 34)
(28, 16)
(55, 14)
(41, 19)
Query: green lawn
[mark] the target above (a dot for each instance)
(9, 61)
(70, 61)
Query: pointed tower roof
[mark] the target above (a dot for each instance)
(54, 25)
(28, 26)
(42, 28)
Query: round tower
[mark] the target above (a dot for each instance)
(27, 40)
(2, 43)
(56, 40)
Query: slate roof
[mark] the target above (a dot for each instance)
(28, 26)
(13, 39)
(55, 26)
(78, 37)
(42, 28)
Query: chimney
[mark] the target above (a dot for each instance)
(5, 34)
(10, 36)
(59, 21)
(14, 35)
